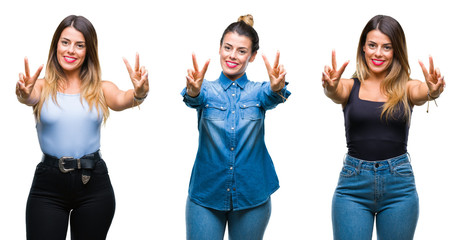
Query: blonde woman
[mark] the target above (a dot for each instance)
(70, 104)
(233, 175)
(377, 179)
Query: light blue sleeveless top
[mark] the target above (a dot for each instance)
(69, 129)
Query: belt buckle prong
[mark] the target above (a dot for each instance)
(61, 165)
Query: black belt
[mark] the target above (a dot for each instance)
(69, 164)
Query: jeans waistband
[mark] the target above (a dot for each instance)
(374, 165)
(68, 164)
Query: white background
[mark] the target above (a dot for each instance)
(150, 152)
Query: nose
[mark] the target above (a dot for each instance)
(71, 49)
(233, 54)
(379, 52)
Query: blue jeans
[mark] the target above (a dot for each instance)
(204, 223)
(382, 189)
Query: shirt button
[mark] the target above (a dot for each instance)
(222, 108)
(233, 111)
(228, 189)
(231, 168)
(233, 94)
(232, 128)
(233, 83)
(232, 149)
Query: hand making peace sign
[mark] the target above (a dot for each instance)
(276, 73)
(331, 75)
(26, 83)
(139, 78)
(195, 77)
(434, 80)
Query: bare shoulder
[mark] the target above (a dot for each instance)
(39, 84)
(413, 83)
(108, 86)
(347, 83)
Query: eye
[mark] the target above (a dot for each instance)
(388, 48)
(371, 45)
(81, 45)
(242, 52)
(226, 48)
(64, 42)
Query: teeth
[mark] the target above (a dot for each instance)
(231, 64)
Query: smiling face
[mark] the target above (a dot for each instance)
(71, 50)
(378, 52)
(235, 54)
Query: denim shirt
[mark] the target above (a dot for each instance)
(233, 169)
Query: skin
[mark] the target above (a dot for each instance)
(71, 52)
(379, 47)
(235, 55)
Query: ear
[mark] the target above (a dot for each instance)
(253, 56)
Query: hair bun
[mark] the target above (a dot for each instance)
(248, 19)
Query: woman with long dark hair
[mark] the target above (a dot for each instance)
(69, 104)
(377, 180)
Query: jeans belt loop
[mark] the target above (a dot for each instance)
(391, 166)
(359, 166)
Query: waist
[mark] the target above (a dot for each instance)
(67, 164)
(375, 149)
(372, 165)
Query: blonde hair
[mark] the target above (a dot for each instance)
(90, 71)
(395, 82)
(248, 19)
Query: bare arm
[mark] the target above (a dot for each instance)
(119, 100)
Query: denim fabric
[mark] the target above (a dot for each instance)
(208, 224)
(56, 196)
(232, 163)
(382, 189)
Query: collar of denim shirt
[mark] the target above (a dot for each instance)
(226, 82)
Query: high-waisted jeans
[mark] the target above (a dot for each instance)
(382, 189)
(55, 195)
(204, 223)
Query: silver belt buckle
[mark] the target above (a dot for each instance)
(61, 165)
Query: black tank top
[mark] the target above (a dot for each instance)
(370, 136)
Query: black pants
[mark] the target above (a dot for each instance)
(55, 195)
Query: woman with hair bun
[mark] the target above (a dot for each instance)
(70, 103)
(233, 175)
(377, 180)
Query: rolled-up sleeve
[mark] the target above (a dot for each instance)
(193, 102)
(271, 99)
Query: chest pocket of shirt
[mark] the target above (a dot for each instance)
(251, 110)
(214, 111)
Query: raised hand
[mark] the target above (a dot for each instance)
(195, 77)
(139, 78)
(26, 83)
(331, 75)
(276, 73)
(434, 80)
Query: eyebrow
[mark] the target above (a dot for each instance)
(237, 48)
(71, 40)
(369, 41)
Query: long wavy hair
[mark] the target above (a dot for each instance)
(90, 71)
(398, 73)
